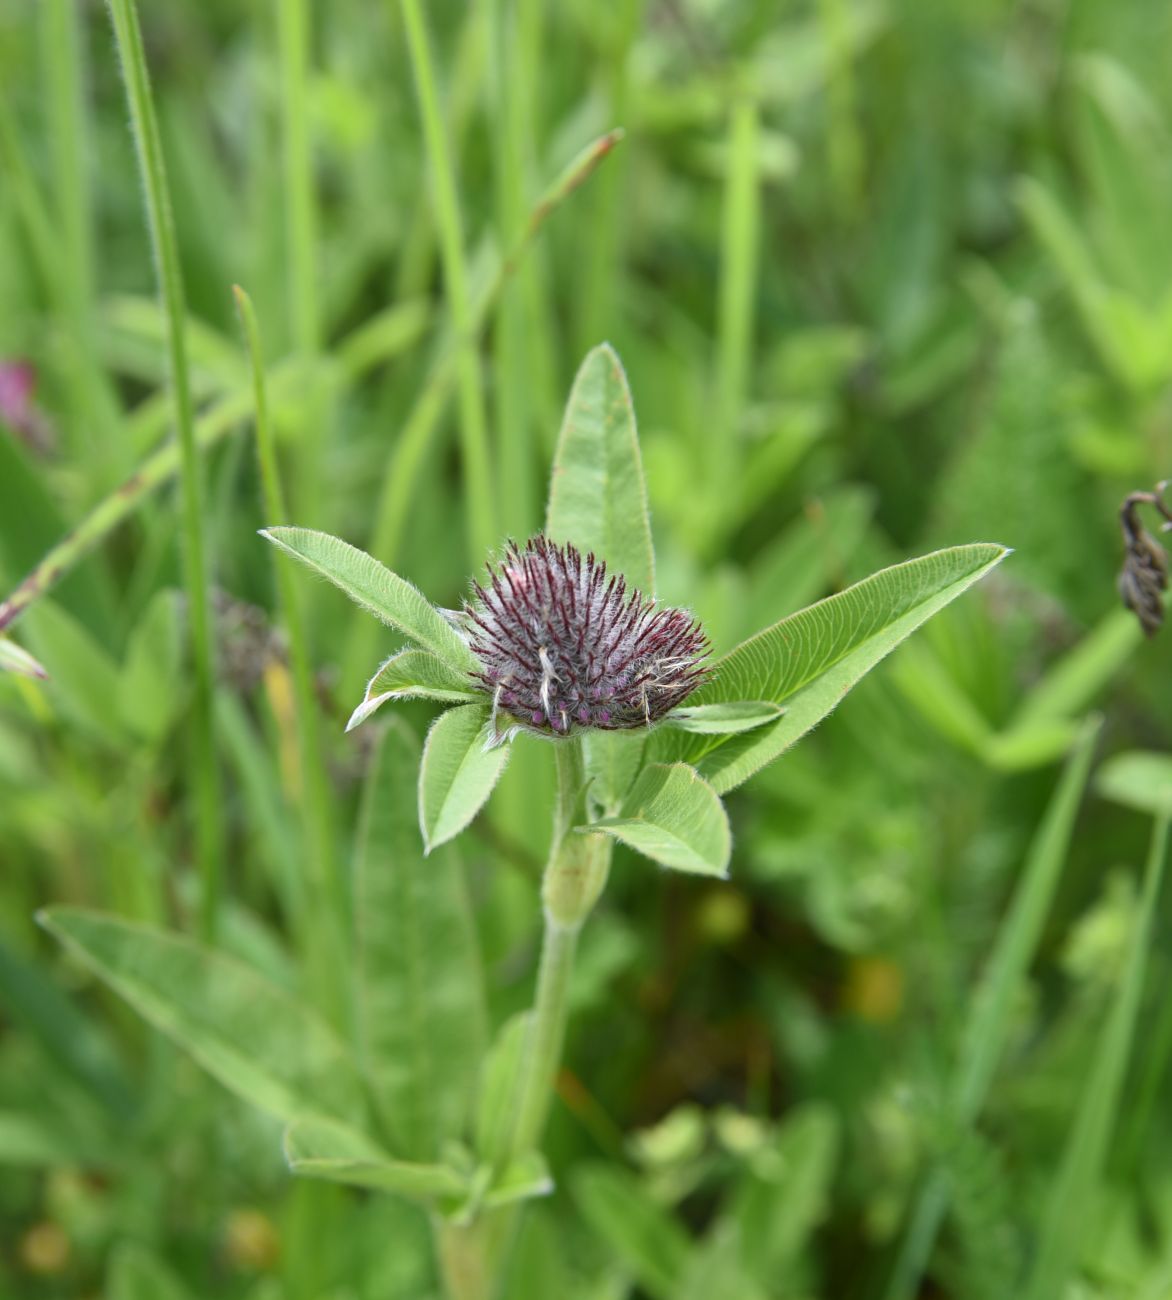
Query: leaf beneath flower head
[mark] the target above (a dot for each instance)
(374, 587)
(673, 816)
(813, 658)
(413, 675)
(724, 719)
(461, 764)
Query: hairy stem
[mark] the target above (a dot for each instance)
(574, 877)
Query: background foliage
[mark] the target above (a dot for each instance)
(884, 277)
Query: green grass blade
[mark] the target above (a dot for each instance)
(209, 830)
(380, 339)
(740, 238)
(1068, 1220)
(326, 924)
(401, 477)
(473, 425)
(988, 1026)
(293, 26)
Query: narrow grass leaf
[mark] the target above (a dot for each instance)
(254, 1038)
(725, 719)
(336, 1153)
(374, 587)
(1071, 684)
(1069, 1215)
(597, 497)
(413, 675)
(673, 816)
(458, 772)
(385, 335)
(988, 1026)
(161, 224)
(422, 1019)
(643, 1235)
(1138, 780)
(811, 659)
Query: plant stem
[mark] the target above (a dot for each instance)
(390, 333)
(740, 224)
(574, 878)
(323, 926)
(209, 831)
(300, 212)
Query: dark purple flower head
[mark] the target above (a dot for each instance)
(564, 646)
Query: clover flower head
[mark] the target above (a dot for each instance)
(563, 646)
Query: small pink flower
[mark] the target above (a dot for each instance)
(18, 384)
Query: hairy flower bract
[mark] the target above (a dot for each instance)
(564, 645)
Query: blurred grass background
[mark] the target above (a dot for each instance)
(884, 277)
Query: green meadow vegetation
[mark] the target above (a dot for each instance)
(387, 914)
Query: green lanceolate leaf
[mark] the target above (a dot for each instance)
(597, 498)
(991, 1010)
(420, 1000)
(413, 675)
(253, 1037)
(1138, 780)
(377, 589)
(339, 1154)
(811, 660)
(725, 719)
(458, 772)
(674, 817)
